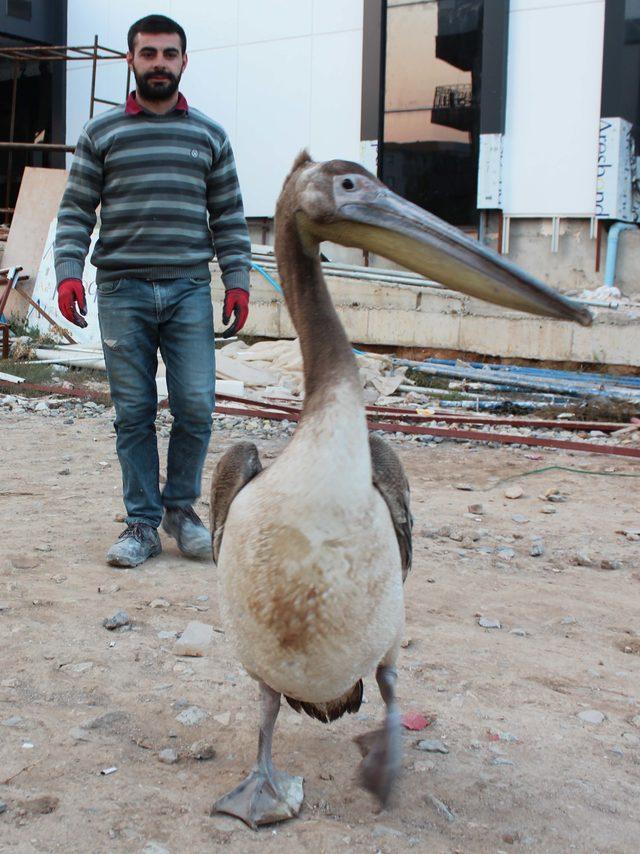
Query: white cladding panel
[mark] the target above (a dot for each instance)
(279, 75)
(553, 107)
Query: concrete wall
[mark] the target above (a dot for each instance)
(572, 268)
(279, 75)
(405, 316)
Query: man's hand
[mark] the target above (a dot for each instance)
(236, 302)
(70, 292)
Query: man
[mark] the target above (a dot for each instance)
(165, 177)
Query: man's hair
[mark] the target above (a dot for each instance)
(155, 24)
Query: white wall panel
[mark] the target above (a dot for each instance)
(553, 106)
(274, 82)
(273, 19)
(210, 83)
(336, 70)
(256, 67)
(330, 16)
(207, 23)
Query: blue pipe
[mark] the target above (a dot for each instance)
(266, 275)
(612, 251)
(546, 372)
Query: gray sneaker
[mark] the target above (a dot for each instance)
(185, 526)
(135, 544)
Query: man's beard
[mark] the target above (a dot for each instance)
(157, 91)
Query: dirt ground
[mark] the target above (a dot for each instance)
(523, 771)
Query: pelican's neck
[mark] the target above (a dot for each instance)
(326, 352)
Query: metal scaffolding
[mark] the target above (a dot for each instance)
(51, 53)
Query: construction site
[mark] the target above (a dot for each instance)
(124, 710)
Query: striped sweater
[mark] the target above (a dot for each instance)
(169, 194)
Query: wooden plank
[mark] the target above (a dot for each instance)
(38, 201)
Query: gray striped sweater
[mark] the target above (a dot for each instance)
(169, 194)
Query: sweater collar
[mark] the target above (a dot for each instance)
(133, 108)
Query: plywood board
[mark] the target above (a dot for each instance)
(38, 202)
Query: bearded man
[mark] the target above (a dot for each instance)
(165, 178)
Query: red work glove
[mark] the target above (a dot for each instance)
(236, 302)
(70, 292)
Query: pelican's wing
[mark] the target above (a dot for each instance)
(236, 468)
(391, 482)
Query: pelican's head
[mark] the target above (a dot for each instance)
(342, 202)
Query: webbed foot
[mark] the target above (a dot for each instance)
(382, 750)
(263, 798)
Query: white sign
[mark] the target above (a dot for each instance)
(44, 293)
(616, 171)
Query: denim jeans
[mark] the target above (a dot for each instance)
(138, 317)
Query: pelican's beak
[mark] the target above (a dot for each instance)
(368, 215)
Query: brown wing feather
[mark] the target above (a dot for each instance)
(328, 712)
(235, 469)
(391, 482)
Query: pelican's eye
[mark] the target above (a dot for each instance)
(348, 184)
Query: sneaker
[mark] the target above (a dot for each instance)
(136, 543)
(185, 526)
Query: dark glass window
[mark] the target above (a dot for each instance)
(432, 105)
(19, 9)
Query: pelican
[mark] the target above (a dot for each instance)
(312, 552)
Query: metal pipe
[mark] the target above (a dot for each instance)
(12, 127)
(612, 251)
(94, 67)
(38, 146)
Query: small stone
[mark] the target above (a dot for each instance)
(108, 721)
(202, 598)
(432, 745)
(195, 640)
(4, 606)
(224, 718)
(202, 750)
(79, 734)
(192, 716)
(13, 721)
(166, 635)
(153, 847)
(501, 760)
(631, 738)
(65, 471)
(159, 603)
(488, 623)
(23, 562)
(465, 487)
(505, 553)
(499, 735)
(3, 807)
(456, 536)
(514, 492)
(440, 807)
(591, 716)
(635, 721)
(116, 621)
(537, 549)
(120, 517)
(519, 519)
(568, 620)
(610, 565)
(476, 509)
(111, 588)
(548, 510)
(168, 756)
(41, 406)
(582, 558)
(520, 633)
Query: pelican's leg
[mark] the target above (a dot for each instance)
(266, 795)
(382, 749)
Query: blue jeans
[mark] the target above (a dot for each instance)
(136, 318)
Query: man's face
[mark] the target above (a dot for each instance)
(157, 63)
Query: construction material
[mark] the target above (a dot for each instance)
(482, 375)
(38, 201)
(10, 378)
